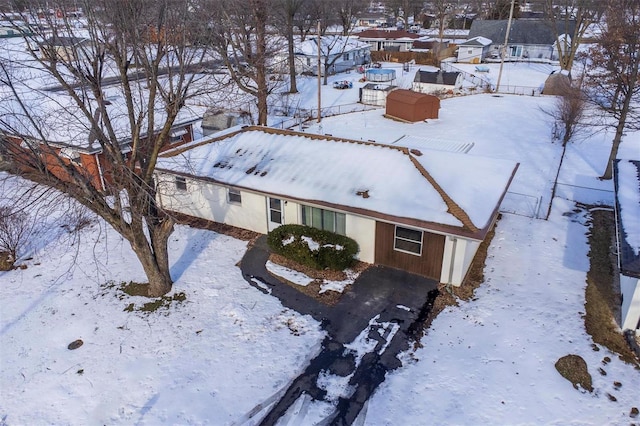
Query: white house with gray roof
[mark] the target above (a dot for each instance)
(405, 208)
(529, 39)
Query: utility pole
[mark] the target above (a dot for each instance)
(319, 75)
(504, 46)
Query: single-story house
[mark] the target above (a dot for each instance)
(474, 50)
(404, 208)
(345, 52)
(388, 40)
(436, 81)
(64, 48)
(627, 208)
(410, 106)
(8, 31)
(373, 20)
(528, 39)
(68, 134)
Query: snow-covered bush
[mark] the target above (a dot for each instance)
(313, 247)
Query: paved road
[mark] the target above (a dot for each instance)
(384, 306)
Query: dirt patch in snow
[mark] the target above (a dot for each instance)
(220, 228)
(574, 369)
(319, 277)
(602, 303)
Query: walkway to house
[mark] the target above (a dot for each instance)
(379, 317)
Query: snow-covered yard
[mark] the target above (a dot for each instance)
(210, 359)
(228, 348)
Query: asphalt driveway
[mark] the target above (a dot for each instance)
(391, 305)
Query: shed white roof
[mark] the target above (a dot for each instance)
(332, 171)
(477, 41)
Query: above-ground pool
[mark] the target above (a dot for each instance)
(380, 74)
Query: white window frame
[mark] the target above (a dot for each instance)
(396, 238)
(232, 194)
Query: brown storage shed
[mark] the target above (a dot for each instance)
(407, 105)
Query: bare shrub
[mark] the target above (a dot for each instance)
(15, 231)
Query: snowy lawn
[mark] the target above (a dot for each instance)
(491, 360)
(210, 359)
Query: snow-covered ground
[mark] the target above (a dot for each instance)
(229, 349)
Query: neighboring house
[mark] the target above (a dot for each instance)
(392, 40)
(8, 31)
(627, 208)
(437, 81)
(403, 208)
(64, 48)
(348, 53)
(474, 50)
(68, 135)
(373, 20)
(528, 39)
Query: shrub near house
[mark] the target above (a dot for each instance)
(313, 247)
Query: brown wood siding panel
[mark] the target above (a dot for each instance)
(429, 264)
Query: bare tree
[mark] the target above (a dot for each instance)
(239, 36)
(568, 114)
(612, 76)
(442, 10)
(569, 20)
(116, 88)
(347, 11)
(15, 229)
(501, 9)
(289, 9)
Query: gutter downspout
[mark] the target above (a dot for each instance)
(452, 260)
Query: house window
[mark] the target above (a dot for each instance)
(308, 62)
(408, 240)
(345, 57)
(324, 219)
(515, 51)
(233, 196)
(176, 136)
(181, 183)
(275, 210)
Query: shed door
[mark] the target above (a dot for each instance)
(275, 213)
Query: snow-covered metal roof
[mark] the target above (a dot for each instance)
(427, 187)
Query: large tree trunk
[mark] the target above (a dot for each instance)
(293, 88)
(608, 173)
(260, 11)
(153, 255)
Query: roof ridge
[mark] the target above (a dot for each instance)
(453, 207)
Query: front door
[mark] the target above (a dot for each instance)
(275, 212)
